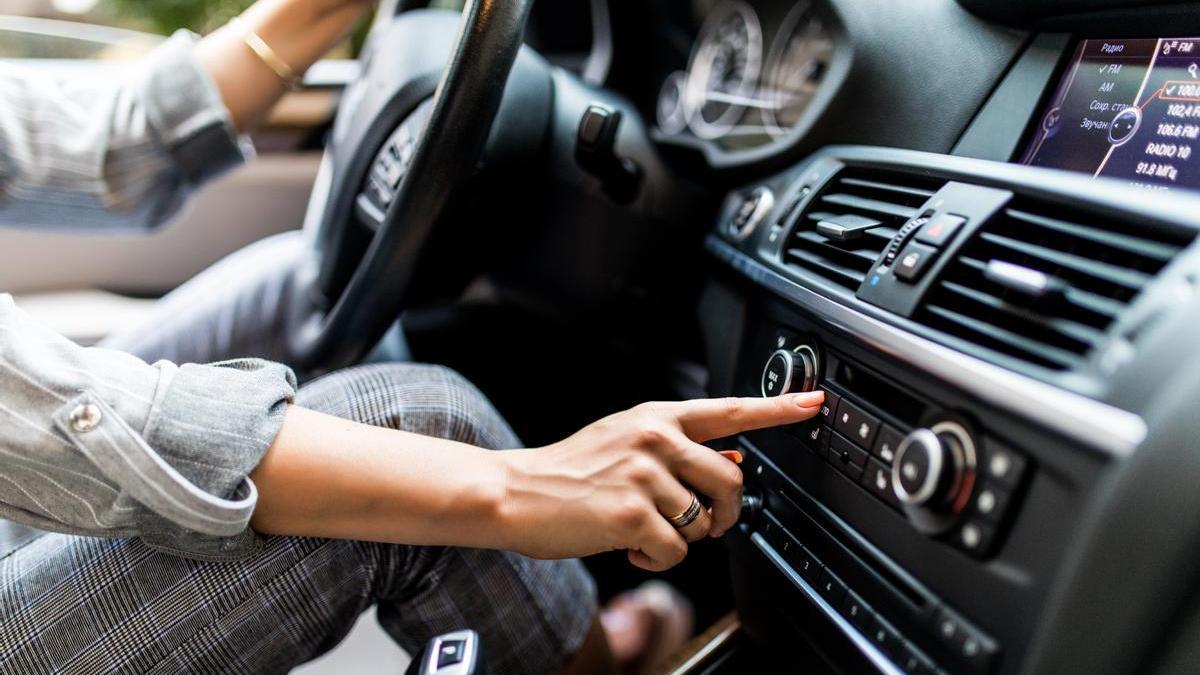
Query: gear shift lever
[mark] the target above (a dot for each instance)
(457, 653)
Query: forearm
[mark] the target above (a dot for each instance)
(298, 31)
(328, 477)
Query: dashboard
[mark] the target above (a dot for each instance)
(752, 74)
(976, 230)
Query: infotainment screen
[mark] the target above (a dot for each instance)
(1126, 109)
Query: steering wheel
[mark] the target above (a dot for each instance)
(342, 309)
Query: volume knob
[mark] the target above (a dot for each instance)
(790, 370)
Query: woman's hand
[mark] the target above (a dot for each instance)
(298, 32)
(614, 484)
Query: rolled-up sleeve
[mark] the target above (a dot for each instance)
(109, 152)
(98, 442)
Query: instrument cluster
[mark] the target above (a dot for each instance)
(752, 75)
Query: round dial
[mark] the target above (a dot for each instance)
(724, 69)
(799, 59)
(933, 474)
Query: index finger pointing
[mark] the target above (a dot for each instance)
(705, 419)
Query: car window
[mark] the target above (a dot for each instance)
(108, 29)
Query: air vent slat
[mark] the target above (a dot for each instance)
(889, 198)
(1151, 249)
(888, 187)
(846, 276)
(870, 205)
(1084, 335)
(1103, 309)
(1127, 278)
(1008, 342)
(865, 258)
(1095, 265)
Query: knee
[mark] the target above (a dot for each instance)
(424, 399)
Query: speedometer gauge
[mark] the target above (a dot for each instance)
(724, 69)
(800, 56)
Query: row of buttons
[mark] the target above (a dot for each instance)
(863, 448)
(880, 631)
(936, 231)
(999, 474)
(856, 443)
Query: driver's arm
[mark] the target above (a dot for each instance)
(126, 152)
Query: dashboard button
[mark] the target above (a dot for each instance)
(974, 537)
(857, 611)
(989, 502)
(887, 443)
(911, 660)
(877, 478)
(816, 437)
(829, 406)
(977, 650)
(847, 457)
(831, 588)
(940, 229)
(913, 261)
(806, 564)
(1004, 467)
(856, 424)
(885, 637)
(948, 629)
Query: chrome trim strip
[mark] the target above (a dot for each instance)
(709, 648)
(1100, 426)
(868, 648)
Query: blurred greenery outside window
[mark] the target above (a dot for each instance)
(111, 29)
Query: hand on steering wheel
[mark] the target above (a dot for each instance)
(617, 483)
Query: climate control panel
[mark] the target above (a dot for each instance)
(930, 464)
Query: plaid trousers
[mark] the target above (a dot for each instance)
(83, 605)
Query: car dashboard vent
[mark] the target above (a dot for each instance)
(842, 231)
(1043, 285)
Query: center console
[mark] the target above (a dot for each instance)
(973, 325)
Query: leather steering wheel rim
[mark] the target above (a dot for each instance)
(324, 336)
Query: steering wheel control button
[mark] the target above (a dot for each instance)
(887, 443)
(913, 261)
(940, 230)
(856, 424)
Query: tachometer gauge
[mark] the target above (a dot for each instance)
(799, 58)
(672, 113)
(724, 69)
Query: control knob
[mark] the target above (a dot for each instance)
(790, 370)
(933, 474)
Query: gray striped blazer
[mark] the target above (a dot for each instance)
(94, 441)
